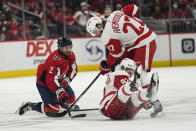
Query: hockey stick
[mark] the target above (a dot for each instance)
(84, 92)
(68, 110)
(91, 109)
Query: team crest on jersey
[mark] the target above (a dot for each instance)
(56, 58)
(111, 47)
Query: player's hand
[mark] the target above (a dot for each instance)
(104, 67)
(62, 95)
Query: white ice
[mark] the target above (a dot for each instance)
(177, 92)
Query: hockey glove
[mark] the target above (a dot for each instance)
(104, 67)
(62, 96)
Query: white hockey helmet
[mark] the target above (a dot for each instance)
(128, 63)
(92, 24)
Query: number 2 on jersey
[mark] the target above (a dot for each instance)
(128, 24)
(51, 69)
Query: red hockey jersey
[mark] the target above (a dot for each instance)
(55, 69)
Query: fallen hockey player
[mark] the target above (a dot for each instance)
(124, 95)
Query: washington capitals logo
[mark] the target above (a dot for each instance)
(94, 49)
(56, 58)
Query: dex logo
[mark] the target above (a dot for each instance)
(38, 48)
(94, 50)
(188, 45)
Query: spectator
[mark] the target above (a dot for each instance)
(107, 12)
(82, 16)
(188, 12)
(194, 8)
(157, 14)
(15, 33)
(71, 28)
(176, 12)
(118, 6)
(181, 4)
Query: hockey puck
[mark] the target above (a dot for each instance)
(79, 115)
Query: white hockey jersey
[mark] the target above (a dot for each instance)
(123, 32)
(115, 80)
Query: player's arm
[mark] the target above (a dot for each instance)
(52, 76)
(53, 82)
(116, 50)
(72, 72)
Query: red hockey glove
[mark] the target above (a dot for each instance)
(62, 95)
(104, 67)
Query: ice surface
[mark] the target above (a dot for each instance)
(177, 92)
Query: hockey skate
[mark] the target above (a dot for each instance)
(158, 108)
(154, 84)
(151, 93)
(25, 107)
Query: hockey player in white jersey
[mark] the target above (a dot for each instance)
(125, 36)
(123, 94)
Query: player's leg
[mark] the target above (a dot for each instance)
(144, 56)
(113, 108)
(118, 105)
(154, 100)
(50, 103)
(140, 97)
(48, 97)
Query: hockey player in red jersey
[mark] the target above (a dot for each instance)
(53, 79)
(123, 94)
(125, 36)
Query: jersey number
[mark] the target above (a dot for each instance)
(138, 31)
(51, 69)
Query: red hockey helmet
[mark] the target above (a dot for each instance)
(130, 10)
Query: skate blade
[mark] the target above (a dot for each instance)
(156, 115)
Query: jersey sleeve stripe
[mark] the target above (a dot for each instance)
(56, 77)
(74, 70)
(142, 40)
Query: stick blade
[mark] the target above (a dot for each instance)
(79, 115)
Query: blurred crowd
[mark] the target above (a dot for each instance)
(77, 12)
(159, 9)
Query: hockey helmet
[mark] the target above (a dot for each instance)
(128, 63)
(130, 10)
(64, 41)
(92, 24)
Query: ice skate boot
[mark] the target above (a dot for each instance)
(154, 84)
(25, 107)
(158, 108)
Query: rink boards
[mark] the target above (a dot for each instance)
(21, 58)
